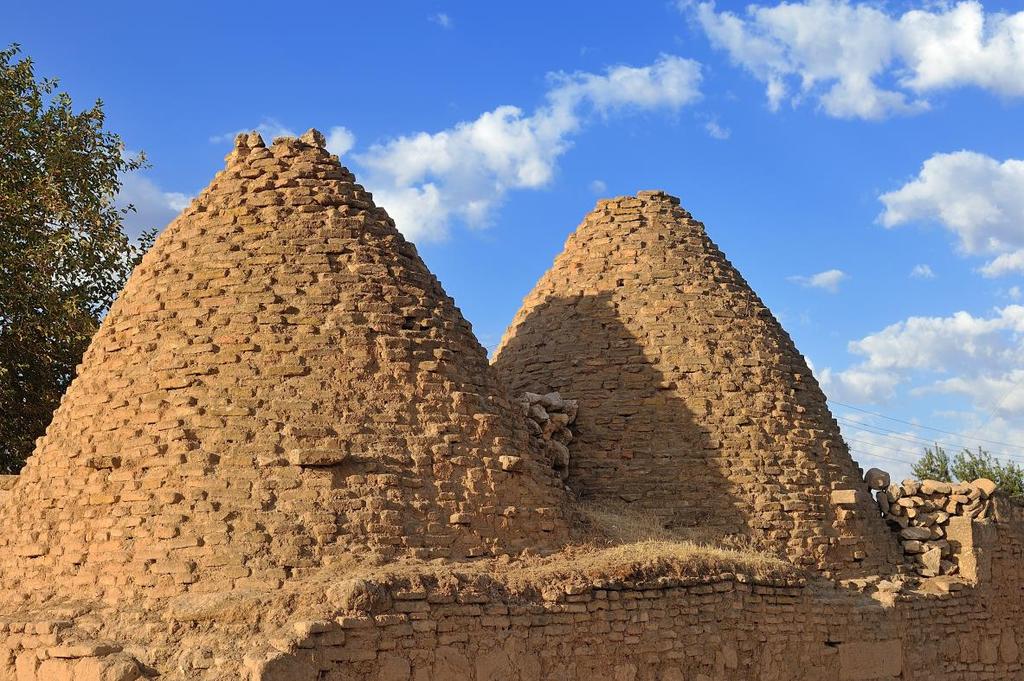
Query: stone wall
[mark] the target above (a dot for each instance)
(720, 629)
(724, 628)
(549, 419)
(933, 520)
(51, 651)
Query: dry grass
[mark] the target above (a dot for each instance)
(620, 543)
(615, 546)
(648, 562)
(614, 543)
(607, 523)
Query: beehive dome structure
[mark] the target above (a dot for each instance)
(695, 405)
(281, 384)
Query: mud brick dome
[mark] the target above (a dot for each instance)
(694, 403)
(285, 457)
(281, 384)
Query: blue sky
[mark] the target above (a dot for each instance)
(858, 162)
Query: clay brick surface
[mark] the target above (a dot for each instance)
(694, 403)
(281, 384)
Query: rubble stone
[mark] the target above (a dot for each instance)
(876, 479)
(904, 507)
(985, 486)
(550, 418)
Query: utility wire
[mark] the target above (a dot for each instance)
(918, 425)
(862, 452)
(886, 447)
(913, 439)
(999, 405)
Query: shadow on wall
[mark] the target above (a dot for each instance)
(636, 440)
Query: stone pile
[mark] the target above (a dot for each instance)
(549, 418)
(921, 512)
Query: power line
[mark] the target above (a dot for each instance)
(913, 439)
(892, 449)
(999, 405)
(885, 432)
(880, 456)
(918, 425)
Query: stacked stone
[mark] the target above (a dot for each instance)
(921, 512)
(549, 418)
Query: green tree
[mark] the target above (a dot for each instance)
(63, 252)
(966, 466)
(1008, 476)
(934, 465)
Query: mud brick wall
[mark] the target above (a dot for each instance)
(725, 628)
(694, 403)
(281, 384)
(51, 650)
(721, 630)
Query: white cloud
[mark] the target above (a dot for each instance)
(976, 357)
(859, 384)
(598, 186)
(828, 280)
(669, 82)
(340, 140)
(1001, 394)
(976, 197)
(980, 357)
(1006, 263)
(941, 344)
(428, 180)
(717, 131)
(862, 62)
(922, 272)
(153, 206)
(269, 128)
(442, 20)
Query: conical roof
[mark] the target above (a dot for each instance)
(281, 384)
(695, 405)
